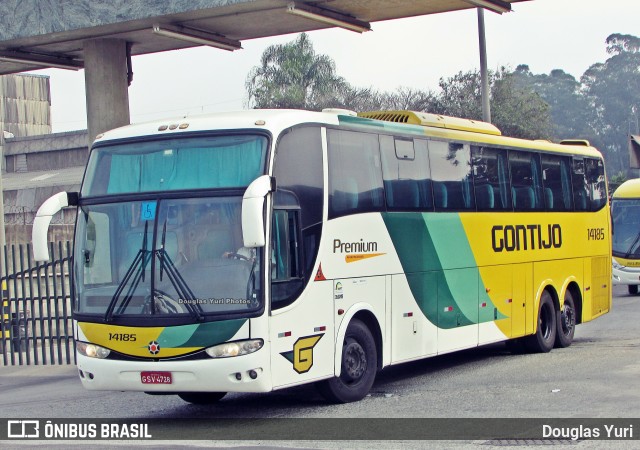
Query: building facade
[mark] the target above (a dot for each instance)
(36, 164)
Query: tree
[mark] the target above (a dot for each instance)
(613, 90)
(292, 75)
(571, 114)
(516, 110)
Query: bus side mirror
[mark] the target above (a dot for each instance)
(43, 218)
(253, 231)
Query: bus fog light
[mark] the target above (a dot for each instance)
(92, 350)
(237, 348)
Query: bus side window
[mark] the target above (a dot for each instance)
(491, 178)
(581, 198)
(594, 172)
(355, 175)
(405, 169)
(452, 176)
(298, 171)
(286, 262)
(556, 180)
(526, 181)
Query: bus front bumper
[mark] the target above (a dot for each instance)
(623, 275)
(247, 373)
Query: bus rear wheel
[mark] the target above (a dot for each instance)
(566, 322)
(544, 338)
(633, 289)
(201, 398)
(359, 365)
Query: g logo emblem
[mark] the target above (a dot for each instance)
(302, 355)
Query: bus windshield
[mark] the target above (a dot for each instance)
(626, 227)
(175, 164)
(165, 257)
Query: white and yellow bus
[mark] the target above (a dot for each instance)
(259, 250)
(625, 213)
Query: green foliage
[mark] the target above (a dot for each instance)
(516, 110)
(293, 76)
(613, 90)
(618, 178)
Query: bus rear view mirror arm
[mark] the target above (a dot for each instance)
(45, 213)
(253, 230)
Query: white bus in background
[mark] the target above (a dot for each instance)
(625, 213)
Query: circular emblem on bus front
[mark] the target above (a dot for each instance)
(154, 347)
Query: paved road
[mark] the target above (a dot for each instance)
(598, 376)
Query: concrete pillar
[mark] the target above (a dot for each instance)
(106, 85)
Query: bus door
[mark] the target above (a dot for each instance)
(301, 323)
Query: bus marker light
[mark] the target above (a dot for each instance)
(173, 126)
(322, 328)
(340, 311)
(260, 122)
(483, 305)
(238, 376)
(183, 126)
(285, 334)
(509, 300)
(253, 374)
(162, 127)
(448, 308)
(409, 314)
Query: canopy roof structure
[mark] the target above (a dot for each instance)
(52, 33)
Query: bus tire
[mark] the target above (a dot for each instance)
(359, 366)
(566, 321)
(545, 336)
(202, 398)
(633, 289)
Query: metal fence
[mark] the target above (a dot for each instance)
(36, 326)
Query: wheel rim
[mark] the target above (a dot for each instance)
(545, 321)
(354, 361)
(568, 318)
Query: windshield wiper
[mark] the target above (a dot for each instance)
(633, 245)
(178, 282)
(138, 266)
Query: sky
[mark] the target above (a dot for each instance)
(414, 52)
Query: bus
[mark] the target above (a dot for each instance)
(264, 249)
(625, 214)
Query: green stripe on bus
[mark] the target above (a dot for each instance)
(200, 335)
(440, 267)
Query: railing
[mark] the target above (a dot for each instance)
(36, 325)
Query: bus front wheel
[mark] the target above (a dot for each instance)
(544, 338)
(359, 365)
(201, 398)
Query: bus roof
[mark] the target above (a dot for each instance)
(404, 122)
(273, 120)
(628, 189)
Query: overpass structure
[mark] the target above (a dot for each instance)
(102, 36)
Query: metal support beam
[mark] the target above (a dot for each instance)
(484, 75)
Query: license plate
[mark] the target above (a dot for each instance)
(156, 377)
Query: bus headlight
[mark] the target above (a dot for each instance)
(92, 350)
(238, 348)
